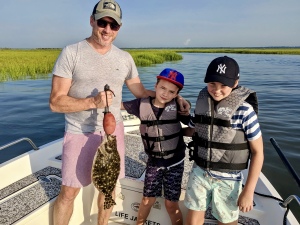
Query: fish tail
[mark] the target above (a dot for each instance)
(109, 202)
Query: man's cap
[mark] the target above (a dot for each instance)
(172, 76)
(224, 70)
(108, 8)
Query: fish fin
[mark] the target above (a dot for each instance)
(108, 202)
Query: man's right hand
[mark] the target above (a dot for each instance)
(100, 99)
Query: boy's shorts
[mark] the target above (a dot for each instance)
(78, 156)
(202, 190)
(169, 178)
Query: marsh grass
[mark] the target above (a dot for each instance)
(18, 64)
(26, 64)
(149, 57)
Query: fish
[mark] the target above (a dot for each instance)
(106, 169)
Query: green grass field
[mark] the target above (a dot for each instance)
(18, 64)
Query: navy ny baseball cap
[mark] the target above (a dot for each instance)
(224, 70)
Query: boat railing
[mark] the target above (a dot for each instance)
(286, 202)
(285, 161)
(18, 141)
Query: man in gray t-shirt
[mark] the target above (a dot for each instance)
(79, 76)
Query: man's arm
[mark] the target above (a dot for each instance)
(62, 103)
(184, 105)
(138, 90)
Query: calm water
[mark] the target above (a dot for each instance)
(24, 110)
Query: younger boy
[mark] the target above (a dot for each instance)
(163, 142)
(226, 133)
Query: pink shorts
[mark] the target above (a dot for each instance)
(78, 155)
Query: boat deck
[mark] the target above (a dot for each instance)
(26, 195)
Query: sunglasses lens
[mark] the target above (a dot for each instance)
(114, 26)
(103, 23)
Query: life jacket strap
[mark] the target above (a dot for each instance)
(219, 165)
(161, 154)
(203, 119)
(160, 138)
(150, 123)
(199, 141)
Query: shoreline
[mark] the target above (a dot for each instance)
(22, 64)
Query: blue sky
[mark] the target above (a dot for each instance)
(154, 23)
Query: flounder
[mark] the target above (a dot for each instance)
(106, 169)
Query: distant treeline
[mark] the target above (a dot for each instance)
(283, 51)
(258, 50)
(17, 64)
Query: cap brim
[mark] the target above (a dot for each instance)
(170, 80)
(98, 16)
(217, 78)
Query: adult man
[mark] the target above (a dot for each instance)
(79, 76)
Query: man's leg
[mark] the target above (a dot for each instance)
(104, 214)
(63, 206)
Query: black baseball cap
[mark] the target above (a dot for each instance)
(224, 70)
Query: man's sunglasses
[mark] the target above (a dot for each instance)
(113, 25)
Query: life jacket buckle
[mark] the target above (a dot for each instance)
(162, 138)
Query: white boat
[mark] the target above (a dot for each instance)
(31, 182)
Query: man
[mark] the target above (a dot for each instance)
(79, 76)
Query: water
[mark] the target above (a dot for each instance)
(24, 109)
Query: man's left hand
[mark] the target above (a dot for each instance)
(184, 105)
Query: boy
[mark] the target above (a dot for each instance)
(225, 133)
(163, 142)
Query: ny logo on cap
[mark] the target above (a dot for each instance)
(172, 75)
(221, 68)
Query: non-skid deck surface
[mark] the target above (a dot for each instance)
(28, 194)
(135, 157)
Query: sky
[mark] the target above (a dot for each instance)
(154, 23)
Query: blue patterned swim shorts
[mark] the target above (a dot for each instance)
(169, 179)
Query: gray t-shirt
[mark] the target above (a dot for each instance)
(90, 72)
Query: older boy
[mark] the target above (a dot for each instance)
(226, 133)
